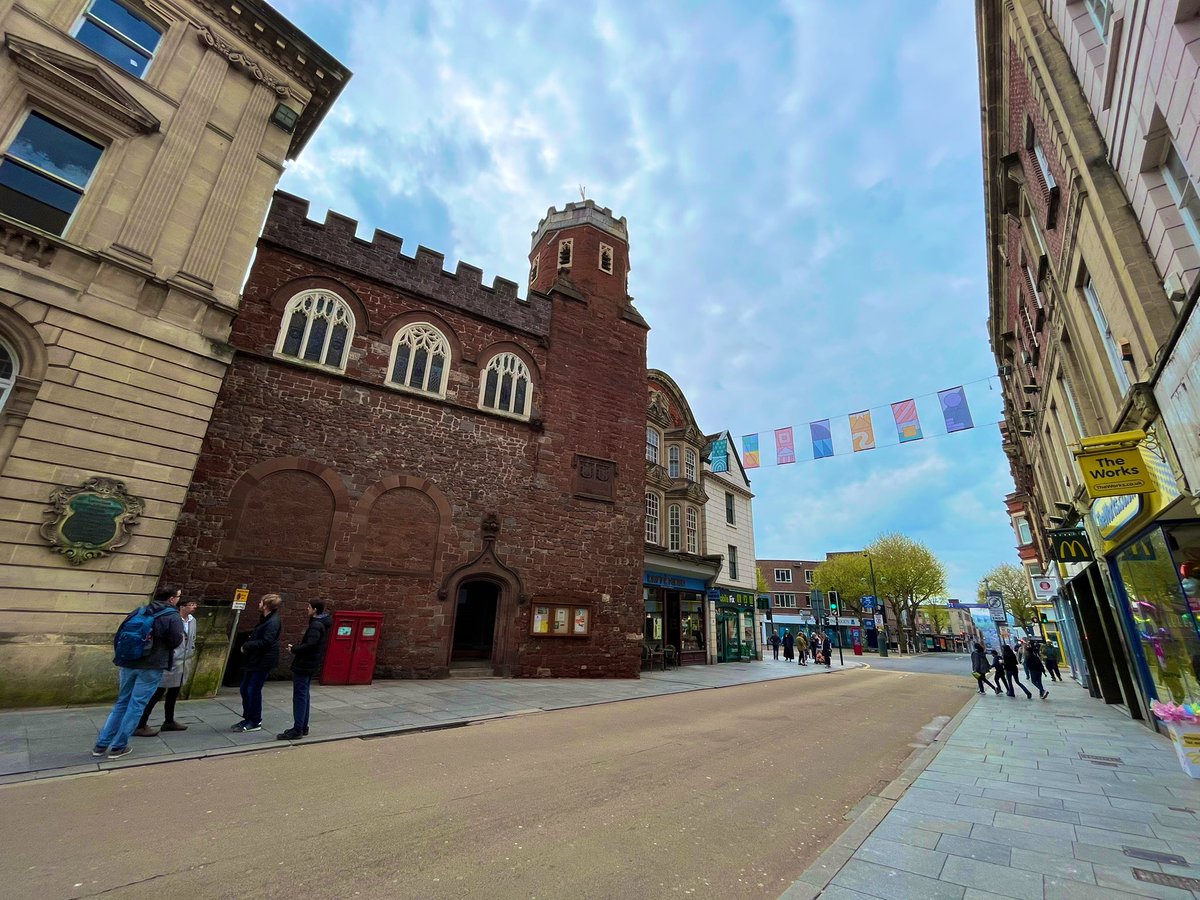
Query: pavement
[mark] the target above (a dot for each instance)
(1063, 798)
(57, 742)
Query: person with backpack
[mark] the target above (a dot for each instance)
(1000, 673)
(306, 662)
(980, 668)
(173, 678)
(142, 651)
(1050, 658)
(260, 654)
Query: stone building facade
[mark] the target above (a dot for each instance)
(1087, 116)
(396, 438)
(141, 144)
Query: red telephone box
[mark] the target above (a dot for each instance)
(350, 657)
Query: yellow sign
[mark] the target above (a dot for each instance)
(240, 598)
(1112, 465)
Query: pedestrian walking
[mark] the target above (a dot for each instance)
(1022, 651)
(260, 654)
(173, 678)
(999, 674)
(789, 645)
(802, 648)
(827, 649)
(980, 668)
(1033, 663)
(1050, 658)
(142, 649)
(1011, 670)
(775, 645)
(306, 662)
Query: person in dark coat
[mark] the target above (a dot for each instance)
(789, 645)
(1012, 670)
(1050, 658)
(260, 654)
(1000, 675)
(306, 662)
(1033, 664)
(980, 668)
(140, 679)
(827, 650)
(775, 645)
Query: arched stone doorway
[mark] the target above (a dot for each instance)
(475, 615)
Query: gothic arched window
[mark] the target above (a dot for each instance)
(506, 386)
(317, 328)
(420, 359)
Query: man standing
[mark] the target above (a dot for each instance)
(789, 644)
(802, 648)
(306, 662)
(827, 649)
(173, 678)
(1050, 658)
(775, 645)
(143, 646)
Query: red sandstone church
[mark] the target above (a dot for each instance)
(392, 437)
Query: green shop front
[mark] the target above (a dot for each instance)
(737, 636)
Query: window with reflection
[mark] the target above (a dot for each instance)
(317, 328)
(420, 359)
(507, 386)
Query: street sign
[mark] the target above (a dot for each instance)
(868, 604)
(240, 598)
(995, 602)
(1070, 545)
(714, 594)
(1045, 586)
(878, 620)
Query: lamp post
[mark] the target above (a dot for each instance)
(881, 637)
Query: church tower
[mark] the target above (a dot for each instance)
(581, 248)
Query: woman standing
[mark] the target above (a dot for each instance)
(980, 668)
(174, 677)
(260, 654)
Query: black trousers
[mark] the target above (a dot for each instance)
(171, 694)
(1014, 678)
(1052, 668)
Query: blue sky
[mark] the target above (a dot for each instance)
(803, 186)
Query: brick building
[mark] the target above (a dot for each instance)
(790, 584)
(395, 437)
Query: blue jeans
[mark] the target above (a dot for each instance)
(137, 687)
(252, 685)
(301, 695)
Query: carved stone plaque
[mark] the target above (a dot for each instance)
(595, 479)
(90, 521)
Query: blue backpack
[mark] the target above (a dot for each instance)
(135, 637)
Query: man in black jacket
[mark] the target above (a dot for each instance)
(306, 662)
(260, 654)
(140, 677)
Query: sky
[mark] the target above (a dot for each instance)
(803, 185)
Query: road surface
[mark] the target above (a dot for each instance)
(719, 793)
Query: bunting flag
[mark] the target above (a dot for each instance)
(908, 426)
(750, 451)
(785, 449)
(822, 440)
(719, 455)
(955, 410)
(862, 432)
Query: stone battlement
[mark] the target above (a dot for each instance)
(585, 212)
(334, 241)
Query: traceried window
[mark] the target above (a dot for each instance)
(693, 531)
(606, 259)
(689, 465)
(652, 444)
(566, 248)
(673, 461)
(673, 528)
(783, 576)
(9, 369)
(507, 386)
(119, 34)
(420, 359)
(652, 507)
(317, 328)
(44, 173)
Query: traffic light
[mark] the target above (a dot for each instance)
(833, 602)
(1045, 618)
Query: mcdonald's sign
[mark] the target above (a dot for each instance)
(1070, 545)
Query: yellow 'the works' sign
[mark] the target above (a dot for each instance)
(1112, 465)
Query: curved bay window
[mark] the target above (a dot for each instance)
(673, 461)
(317, 328)
(652, 443)
(689, 471)
(693, 531)
(420, 357)
(673, 528)
(507, 386)
(1161, 576)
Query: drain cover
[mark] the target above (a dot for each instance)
(1092, 757)
(1174, 881)
(1154, 856)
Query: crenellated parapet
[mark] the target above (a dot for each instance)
(334, 241)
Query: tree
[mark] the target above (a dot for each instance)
(760, 580)
(1013, 585)
(939, 618)
(849, 575)
(908, 574)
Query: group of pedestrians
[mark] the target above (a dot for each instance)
(154, 650)
(1007, 663)
(799, 646)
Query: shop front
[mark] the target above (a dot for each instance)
(676, 622)
(737, 636)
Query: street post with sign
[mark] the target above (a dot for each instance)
(880, 617)
(995, 602)
(241, 597)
